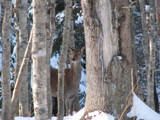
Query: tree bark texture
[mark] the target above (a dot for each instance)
(106, 38)
(152, 48)
(23, 40)
(61, 67)
(76, 105)
(49, 44)
(17, 88)
(0, 14)
(145, 35)
(157, 6)
(39, 85)
(6, 90)
(52, 23)
(16, 30)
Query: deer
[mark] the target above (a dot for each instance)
(72, 79)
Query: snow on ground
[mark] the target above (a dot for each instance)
(96, 115)
(142, 111)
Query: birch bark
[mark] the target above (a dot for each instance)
(6, 91)
(23, 40)
(39, 60)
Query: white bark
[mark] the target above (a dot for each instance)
(39, 61)
(23, 39)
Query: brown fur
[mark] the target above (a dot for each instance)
(71, 80)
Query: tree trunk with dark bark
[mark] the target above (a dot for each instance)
(108, 56)
(152, 48)
(6, 90)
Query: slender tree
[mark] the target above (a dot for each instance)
(23, 39)
(106, 38)
(6, 91)
(39, 60)
(18, 84)
(16, 30)
(52, 23)
(0, 13)
(152, 50)
(157, 7)
(76, 105)
(145, 35)
(49, 44)
(61, 67)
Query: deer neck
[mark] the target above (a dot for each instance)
(75, 69)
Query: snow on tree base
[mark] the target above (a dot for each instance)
(96, 115)
(142, 111)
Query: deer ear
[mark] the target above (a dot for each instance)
(82, 49)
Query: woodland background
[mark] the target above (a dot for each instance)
(140, 34)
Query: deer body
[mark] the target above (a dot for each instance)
(71, 80)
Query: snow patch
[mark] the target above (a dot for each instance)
(40, 53)
(77, 115)
(142, 111)
(79, 20)
(98, 115)
(54, 61)
(147, 8)
(120, 57)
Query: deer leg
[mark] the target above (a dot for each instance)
(69, 106)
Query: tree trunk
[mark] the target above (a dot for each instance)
(151, 68)
(16, 30)
(157, 6)
(107, 38)
(145, 37)
(39, 60)
(52, 24)
(66, 37)
(48, 56)
(0, 15)
(76, 105)
(18, 84)
(6, 90)
(23, 39)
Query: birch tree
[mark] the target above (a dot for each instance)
(152, 48)
(106, 38)
(23, 40)
(157, 7)
(61, 67)
(16, 30)
(39, 61)
(49, 44)
(0, 13)
(6, 91)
